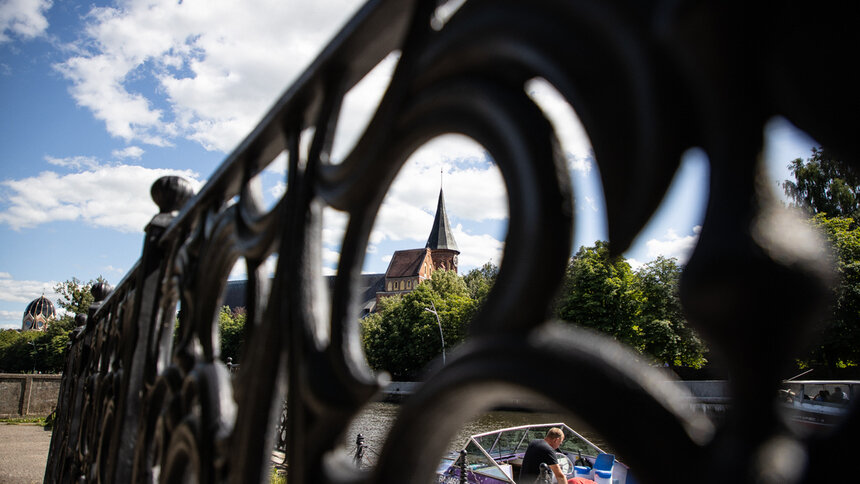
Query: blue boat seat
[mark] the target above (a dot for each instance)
(603, 477)
(604, 463)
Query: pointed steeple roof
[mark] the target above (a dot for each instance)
(441, 236)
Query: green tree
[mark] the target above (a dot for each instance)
(479, 281)
(602, 294)
(638, 308)
(75, 295)
(664, 333)
(15, 353)
(448, 283)
(823, 184)
(402, 336)
(829, 190)
(839, 342)
(231, 332)
(27, 351)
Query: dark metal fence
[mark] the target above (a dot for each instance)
(648, 80)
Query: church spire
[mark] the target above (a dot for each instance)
(441, 236)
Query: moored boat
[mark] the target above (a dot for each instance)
(496, 457)
(818, 404)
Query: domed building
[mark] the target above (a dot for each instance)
(39, 313)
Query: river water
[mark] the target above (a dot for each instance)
(375, 420)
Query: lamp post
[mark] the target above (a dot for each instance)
(439, 322)
(34, 354)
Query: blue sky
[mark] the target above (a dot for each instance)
(98, 99)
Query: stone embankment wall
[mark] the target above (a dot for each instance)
(28, 395)
(36, 395)
(706, 396)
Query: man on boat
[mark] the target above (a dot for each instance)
(839, 396)
(542, 451)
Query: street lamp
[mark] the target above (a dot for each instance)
(34, 354)
(439, 322)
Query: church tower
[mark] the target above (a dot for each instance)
(441, 242)
(409, 268)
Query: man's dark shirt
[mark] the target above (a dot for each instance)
(537, 453)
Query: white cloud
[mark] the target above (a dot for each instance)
(330, 257)
(10, 319)
(134, 152)
(210, 68)
(278, 190)
(635, 264)
(21, 292)
(477, 250)
(23, 18)
(239, 272)
(328, 271)
(334, 225)
(673, 245)
(460, 165)
(407, 212)
(406, 215)
(112, 269)
(75, 162)
(12, 290)
(114, 197)
(580, 164)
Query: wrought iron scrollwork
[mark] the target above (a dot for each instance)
(648, 80)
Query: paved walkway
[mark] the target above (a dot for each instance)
(23, 453)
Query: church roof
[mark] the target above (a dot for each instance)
(441, 236)
(406, 263)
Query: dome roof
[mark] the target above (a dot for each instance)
(38, 313)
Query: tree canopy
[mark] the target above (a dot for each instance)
(231, 332)
(639, 308)
(824, 185)
(839, 342)
(828, 190)
(479, 281)
(665, 333)
(402, 336)
(601, 293)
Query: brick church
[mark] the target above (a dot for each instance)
(411, 267)
(406, 270)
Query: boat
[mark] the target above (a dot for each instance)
(496, 457)
(812, 404)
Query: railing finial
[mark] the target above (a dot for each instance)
(170, 193)
(100, 291)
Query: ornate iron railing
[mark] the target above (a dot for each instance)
(648, 80)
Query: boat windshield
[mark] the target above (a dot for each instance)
(478, 462)
(495, 454)
(508, 442)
